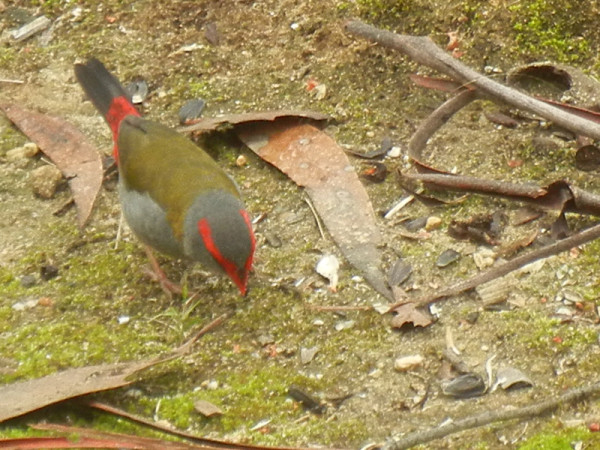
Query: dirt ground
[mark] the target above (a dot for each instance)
(101, 307)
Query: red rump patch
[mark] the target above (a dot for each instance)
(238, 276)
(119, 109)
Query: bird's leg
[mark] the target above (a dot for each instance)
(159, 275)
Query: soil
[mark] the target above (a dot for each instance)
(102, 308)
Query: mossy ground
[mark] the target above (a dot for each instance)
(268, 52)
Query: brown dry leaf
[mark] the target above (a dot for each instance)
(559, 195)
(69, 149)
(408, 313)
(212, 123)
(314, 160)
(23, 397)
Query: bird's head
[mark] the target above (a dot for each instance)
(218, 233)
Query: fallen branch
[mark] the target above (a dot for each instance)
(563, 245)
(537, 409)
(340, 308)
(424, 51)
(559, 195)
(434, 122)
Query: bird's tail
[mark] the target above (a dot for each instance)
(106, 93)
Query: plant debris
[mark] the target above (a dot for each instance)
(465, 386)
(207, 409)
(447, 257)
(409, 314)
(314, 160)
(69, 149)
(511, 378)
(308, 401)
(27, 396)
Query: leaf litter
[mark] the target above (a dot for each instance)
(315, 161)
(69, 149)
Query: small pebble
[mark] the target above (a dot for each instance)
(210, 385)
(48, 271)
(123, 320)
(265, 339)
(565, 311)
(320, 91)
(345, 325)
(28, 150)
(25, 304)
(328, 267)
(28, 281)
(472, 317)
(433, 223)
(272, 239)
(138, 90)
(45, 301)
(45, 180)
(406, 363)
(394, 152)
(308, 354)
(570, 297)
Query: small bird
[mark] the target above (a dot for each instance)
(174, 196)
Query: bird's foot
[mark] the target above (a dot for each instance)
(157, 274)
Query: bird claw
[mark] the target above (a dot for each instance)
(169, 287)
(157, 274)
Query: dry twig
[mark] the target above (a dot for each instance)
(536, 409)
(424, 51)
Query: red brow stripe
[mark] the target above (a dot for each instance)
(227, 265)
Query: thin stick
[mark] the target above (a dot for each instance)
(317, 218)
(536, 409)
(119, 230)
(398, 206)
(339, 308)
(424, 51)
(6, 80)
(435, 121)
(563, 245)
(185, 347)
